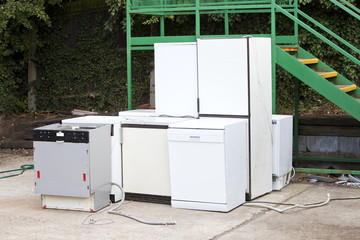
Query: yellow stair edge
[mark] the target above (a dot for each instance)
(290, 49)
(346, 88)
(308, 60)
(327, 74)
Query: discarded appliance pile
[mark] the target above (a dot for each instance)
(210, 143)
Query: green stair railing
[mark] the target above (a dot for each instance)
(347, 7)
(297, 21)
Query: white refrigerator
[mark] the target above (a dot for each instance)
(234, 78)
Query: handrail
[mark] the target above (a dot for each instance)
(346, 9)
(304, 25)
(349, 5)
(328, 31)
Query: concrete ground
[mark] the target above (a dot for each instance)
(21, 216)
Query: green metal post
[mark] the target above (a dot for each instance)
(226, 23)
(128, 55)
(197, 19)
(296, 121)
(162, 26)
(273, 54)
(296, 26)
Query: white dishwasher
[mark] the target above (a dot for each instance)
(145, 158)
(208, 158)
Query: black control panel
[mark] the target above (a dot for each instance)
(63, 135)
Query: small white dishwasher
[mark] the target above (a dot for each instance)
(208, 159)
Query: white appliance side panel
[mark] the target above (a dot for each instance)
(100, 164)
(223, 76)
(276, 148)
(176, 79)
(260, 117)
(282, 135)
(146, 161)
(197, 170)
(236, 149)
(60, 168)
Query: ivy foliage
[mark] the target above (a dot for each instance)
(20, 21)
(87, 68)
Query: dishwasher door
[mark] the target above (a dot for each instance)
(197, 165)
(62, 169)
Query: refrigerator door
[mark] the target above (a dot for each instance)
(176, 79)
(223, 77)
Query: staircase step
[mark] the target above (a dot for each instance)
(327, 74)
(290, 49)
(357, 99)
(308, 60)
(346, 88)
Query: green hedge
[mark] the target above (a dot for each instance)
(86, 68)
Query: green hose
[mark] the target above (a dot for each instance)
(22, 169)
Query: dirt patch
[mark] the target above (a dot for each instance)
(17, 126)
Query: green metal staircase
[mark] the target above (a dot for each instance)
(321, 78)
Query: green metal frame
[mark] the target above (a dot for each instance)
(289, 8)
(313, 80)
(198, 7)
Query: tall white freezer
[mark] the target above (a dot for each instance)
(234, 78)
(208, 163)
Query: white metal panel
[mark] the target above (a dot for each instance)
(260, 117)
(223, 76)
(146, 161)
(176, 79)
(138, 113)
(205, 123)
(237, 156)
(282, 144)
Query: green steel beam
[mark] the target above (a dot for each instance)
(136, 41)
(318, 83)
(273, 55)
(128, 57)
(296, 118)
(327, 159)
(162, 26)
(200, 8)
(286, 39)
(327, 171)
(226, 22)
(143, 48)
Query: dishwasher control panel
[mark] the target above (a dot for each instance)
(71, 136)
